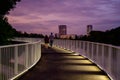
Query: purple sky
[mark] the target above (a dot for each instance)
(44, 16)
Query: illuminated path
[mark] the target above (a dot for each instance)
(58, 64)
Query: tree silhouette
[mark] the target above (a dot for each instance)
(6, 6)
(108, 37)
(6, 30)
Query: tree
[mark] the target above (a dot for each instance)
(108, 37)
(6, 30)
(6, 6)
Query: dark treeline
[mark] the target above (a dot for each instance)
(108, 37)
(29, 35)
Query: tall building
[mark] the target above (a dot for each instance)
(62, 30)
(89, 29)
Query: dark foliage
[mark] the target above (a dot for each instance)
(108, 37)
(25, 34)
(113, 36)
(6, 31)
(6, 6)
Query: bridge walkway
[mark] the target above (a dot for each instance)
(59, 64)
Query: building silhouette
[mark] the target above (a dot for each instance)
(62, 30)
(89, 29)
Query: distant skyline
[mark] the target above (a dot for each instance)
(44, 16)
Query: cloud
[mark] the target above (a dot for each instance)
(45, 15)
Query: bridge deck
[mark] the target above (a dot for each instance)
(58, 64)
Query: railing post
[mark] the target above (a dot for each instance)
(85, 48)
(63, 44)
(66, 44)
(26, 61)
(39, 49)
(80, 50)
(97, 52)
(92, 50)
(83, 42)
(109, 59)
(36, 52)
(76, 45)
(32, 54)
(69, 45)
(88, 50)
(102, 60)
(16, 60)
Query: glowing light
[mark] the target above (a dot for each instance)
(73, 56)
(80, 68)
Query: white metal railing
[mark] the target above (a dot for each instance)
(18, 58)
(105, 56)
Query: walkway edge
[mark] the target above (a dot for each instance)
(89, 60)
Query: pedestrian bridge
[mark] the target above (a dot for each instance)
(67, 60)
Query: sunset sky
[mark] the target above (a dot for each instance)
(44, 16)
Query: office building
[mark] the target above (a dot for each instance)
(89, 29)
(62, 30)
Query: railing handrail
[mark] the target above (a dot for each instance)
(110, 45)
(114, 46)
(29, 53)
(12, 45)
(73, 46)
(106, 56)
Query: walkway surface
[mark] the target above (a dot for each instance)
(59, 64)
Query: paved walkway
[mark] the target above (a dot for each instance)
(58, 64)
